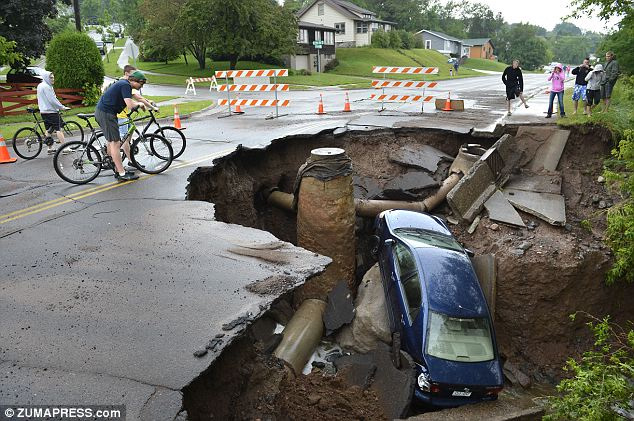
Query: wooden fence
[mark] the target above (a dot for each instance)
(15, 97)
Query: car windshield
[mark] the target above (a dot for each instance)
(459, 339)
(429, 238)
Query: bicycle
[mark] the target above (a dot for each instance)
(27, 142)
(80, 162)
(175, 136)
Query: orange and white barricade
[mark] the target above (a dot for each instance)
(192, 80)
(403, 84)
(255, 87)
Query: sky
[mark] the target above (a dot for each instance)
(545, 13)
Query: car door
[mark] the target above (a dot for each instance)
(409, 291)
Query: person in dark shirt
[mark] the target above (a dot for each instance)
(116, 98)
(579, 91)
(512, 78)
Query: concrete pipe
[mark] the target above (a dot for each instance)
(281, 200)
(302, 335)
(326, 220)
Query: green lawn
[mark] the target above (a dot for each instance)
(110, 64)
(120, 42)
(484, 64)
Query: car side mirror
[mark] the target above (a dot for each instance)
(470, 253)
(389, 242)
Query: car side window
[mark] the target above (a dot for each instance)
(409, 279)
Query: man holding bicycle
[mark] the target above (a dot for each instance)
(50, 107)
(116, 98)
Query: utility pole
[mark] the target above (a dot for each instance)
(77, 15)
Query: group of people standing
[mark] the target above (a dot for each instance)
(591, 85)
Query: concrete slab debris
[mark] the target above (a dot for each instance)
(549, 207)
(339, 308)
(456, 104)
(549, 183)
(501, 210)
(357, 369)
(366, 187)
(424, 157)
(140, 333)
(407, 186)
(548, 155)
(515, 375)
(486, 270)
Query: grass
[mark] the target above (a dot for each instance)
(11, 124)
(484, 64)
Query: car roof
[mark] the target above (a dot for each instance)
(396, 218)
(451, 283)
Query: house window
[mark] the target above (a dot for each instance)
(317, 35)
(329, 38)
(362, 27)
(428, 44)
(340, 27)
(302, 36)
(374, 26)
(320, 9)
(387, 28)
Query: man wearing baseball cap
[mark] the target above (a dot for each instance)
(116, 98)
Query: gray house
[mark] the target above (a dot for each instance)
(443, 43)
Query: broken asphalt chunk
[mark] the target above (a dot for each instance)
(339, 308)
(501, 210)
(424, 157)
(549, 207)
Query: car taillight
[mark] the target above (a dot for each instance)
(434, 388)
(493, 391)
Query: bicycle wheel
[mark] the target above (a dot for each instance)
(98, 142)
(175, 137)
(27, 143)
(77, 162)
(151, 153)
(73, 129)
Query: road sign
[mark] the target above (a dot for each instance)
(318, 44)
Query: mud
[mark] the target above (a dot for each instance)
(559, 271)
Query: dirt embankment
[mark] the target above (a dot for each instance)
(560, 270)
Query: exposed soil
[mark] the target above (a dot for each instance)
(561, 271)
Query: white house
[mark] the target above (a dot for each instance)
(354, 25)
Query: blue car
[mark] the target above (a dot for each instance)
(437, 310)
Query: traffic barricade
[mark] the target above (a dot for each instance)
(403, 84)
(256, 87)
(192, 80)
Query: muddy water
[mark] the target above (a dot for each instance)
(563, 271)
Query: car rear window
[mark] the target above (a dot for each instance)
(429, 238)
(459, 339)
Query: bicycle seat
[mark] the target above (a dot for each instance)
(85, 116)
(32, 110)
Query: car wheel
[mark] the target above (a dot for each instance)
(396, 349)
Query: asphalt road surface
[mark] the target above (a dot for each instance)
(48, 227)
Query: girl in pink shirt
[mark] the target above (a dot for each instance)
(557, 77)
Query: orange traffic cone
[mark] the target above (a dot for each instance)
(346, 105)
(5, 158)
(448, 103)
(320, 108)
(177, 118)
(238, 110)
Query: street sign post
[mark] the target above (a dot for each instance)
(318, 45)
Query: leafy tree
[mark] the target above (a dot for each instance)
(161, 39)
(520, 41)
(406, 13)
(395, 40)
(196, 23)
(295, 5)
(601, 385)
(566, 28)
(571, 49)
(620, 42)
(75, 60)
(607, 8)
(380, 39)
(408, 39)
(479, 20)
(23, 22)
(8, 55)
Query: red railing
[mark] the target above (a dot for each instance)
(15, 97)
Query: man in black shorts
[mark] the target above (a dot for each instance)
(116, 98)
(512, 78)
(50, 107)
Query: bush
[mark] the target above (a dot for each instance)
(395, 40)
(408, 39)
(380, 39)
(75, 60)
(601, 388)
(92, 93)
(332, 64)
(418, 42)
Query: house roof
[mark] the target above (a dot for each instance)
(315, 26)
(346, 8)
(440, 35)
(477, 41)
(353, 7)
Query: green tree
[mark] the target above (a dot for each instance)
(23, 22)
(295, 5)
(406, 13)
(395, 40)
(408, 39)
(480, 21)
(196, 23)
(520, 41)
(161, 39)
(8, 55)
(620, 42)
(75, 60)
(380, 39)
(570, 49)
(566, 28)
(601, 382)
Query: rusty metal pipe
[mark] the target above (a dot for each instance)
(371, 208)
(302, 334)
